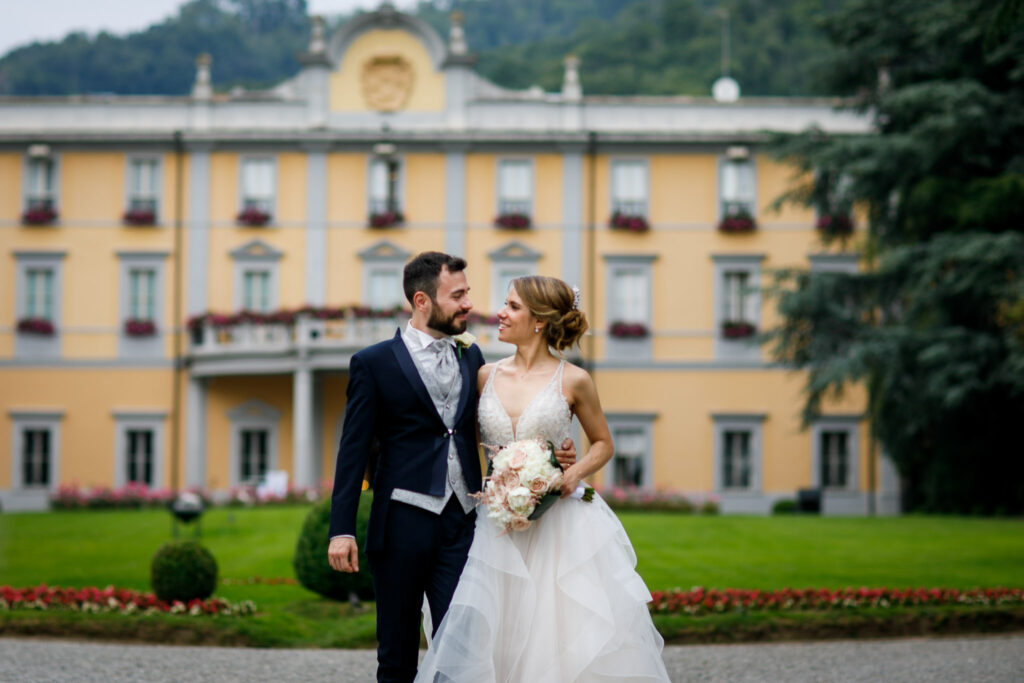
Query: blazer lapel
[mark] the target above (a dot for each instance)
(412, 374)
(468, 384)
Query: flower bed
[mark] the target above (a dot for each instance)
(240, 496)
(40, 326)
(621, 330)
(131, 496)
(386, 219)
(513, 221)
(629, 223)
(632, 499)
(110, 599)
(699, 601)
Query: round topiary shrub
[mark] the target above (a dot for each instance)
(183, 571)
(310, 561)
(784, 506)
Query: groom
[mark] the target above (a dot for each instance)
(416, 396)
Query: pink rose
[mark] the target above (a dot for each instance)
(517, 459)
(510, 480)
(539, 485)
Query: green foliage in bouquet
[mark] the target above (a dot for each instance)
(310, 559)
(183, 571)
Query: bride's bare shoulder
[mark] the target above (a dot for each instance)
(576, 381)
(483, 373)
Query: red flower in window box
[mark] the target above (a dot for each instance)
(513, 221)
(737, 329)
(741, 221)
(39, 326)
(139, 328)
(253, 217)
(386, 219)
(621, 330)
(139, 217)
(38, 215)
(480, 319)
(833, 225)
(629, 223)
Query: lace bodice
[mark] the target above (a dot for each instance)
(546, 416)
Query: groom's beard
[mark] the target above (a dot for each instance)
(446, 325)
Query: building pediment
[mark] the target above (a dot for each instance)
(256, 250)
(514, 251)
(384, 251)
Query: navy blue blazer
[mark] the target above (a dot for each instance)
(387, 400)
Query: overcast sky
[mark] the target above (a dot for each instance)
(25, 21)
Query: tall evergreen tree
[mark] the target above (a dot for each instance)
(935, 326)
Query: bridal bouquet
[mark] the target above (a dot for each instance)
(523, 481)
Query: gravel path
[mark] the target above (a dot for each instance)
(993, 658)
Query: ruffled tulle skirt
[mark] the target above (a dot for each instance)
(559, 602)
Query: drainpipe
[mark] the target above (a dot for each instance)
(591, 358)
(178, 360)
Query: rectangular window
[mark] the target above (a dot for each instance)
(39, 293)
(835, 459)
(142, 294)
(514, 187)
(737, 187)
(630, 292)
(736, 459)
(143, 180)
(384, 186)
(258, 184)
(254, 455)
(629, 188)
(35, 457)
(503, 277)
(139, 456)
(734, 301)
(384, 285)
(41, 184)
(628, 461)
(256, 290)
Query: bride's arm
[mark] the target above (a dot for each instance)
(587, 406)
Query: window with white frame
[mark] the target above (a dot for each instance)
(253, 446)
(630, 293)
(35, 448)
(142, 294)
(258, 184)
(629, 187)
(502, 275)
(737, 187)
(41, 185)
(515, 186)
(384, 186)
(143, 185)
(39, 292)
(835, 452)
(737, 305)
(256, 289)
(735, 294)
(384, 285)
(139, 449)
(632, 463)
(737, 455)
(254, 454)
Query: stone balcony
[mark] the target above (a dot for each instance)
(246, 348)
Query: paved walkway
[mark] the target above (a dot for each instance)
(994, 658)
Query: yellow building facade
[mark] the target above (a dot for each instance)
(186, 278)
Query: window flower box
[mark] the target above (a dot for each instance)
(481, 319)
(628, 222)
(386, 219)
(38, 215)
(37, 326)
(513, 221)
(139, 328)
(139, 217)
(739, 222)
(835, 225)
(621, 330)
(737, 329)
(367, 313)
(253, 217)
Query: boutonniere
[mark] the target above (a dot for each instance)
(463, 341)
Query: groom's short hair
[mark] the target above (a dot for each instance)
(422, 272)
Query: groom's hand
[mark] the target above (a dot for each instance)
(343, 555)
(566, 456)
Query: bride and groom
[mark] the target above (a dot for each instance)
(559, 601)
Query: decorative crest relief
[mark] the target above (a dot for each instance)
(387, 82)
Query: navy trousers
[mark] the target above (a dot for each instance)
(423, 553)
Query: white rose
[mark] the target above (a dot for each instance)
(520, 501)
(465, 339)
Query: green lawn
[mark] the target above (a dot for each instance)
(114, 547)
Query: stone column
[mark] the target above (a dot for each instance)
(195, 433)
(302, 427)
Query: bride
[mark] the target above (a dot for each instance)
(560, 601)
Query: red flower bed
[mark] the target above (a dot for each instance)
(513, 221)
(129, 496)
(112, 599)
(40, 326)
(699, 601)
(629, 223)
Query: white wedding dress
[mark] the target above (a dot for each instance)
(558, 602)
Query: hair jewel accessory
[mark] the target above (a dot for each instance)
(576, 296)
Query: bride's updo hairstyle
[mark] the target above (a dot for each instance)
(552, 302)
